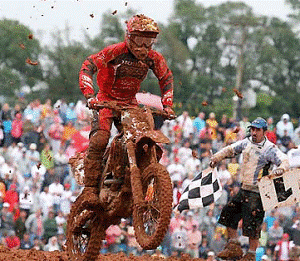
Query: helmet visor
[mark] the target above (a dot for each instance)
(142, 40)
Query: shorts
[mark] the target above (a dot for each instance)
(245, 205)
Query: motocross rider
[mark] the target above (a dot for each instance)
(120, 70)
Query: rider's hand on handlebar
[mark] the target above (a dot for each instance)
(169, 111)
(90, 101)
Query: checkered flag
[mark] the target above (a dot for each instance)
(203, 190)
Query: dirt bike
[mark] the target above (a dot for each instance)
(133, 183)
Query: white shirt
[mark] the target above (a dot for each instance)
(184, 154)
(294, 158)
(285, 248)
(38, 170)
(224, 176)
(186, 124)
(191, 165)
(27, 202)
(256, 157)
(176, 169)
(46, 200)
(56, 190)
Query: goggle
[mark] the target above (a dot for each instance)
(141, 40)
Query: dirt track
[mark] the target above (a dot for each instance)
(34, 255)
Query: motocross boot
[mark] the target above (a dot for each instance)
(93, 166)
(92, 169)
(232, 250)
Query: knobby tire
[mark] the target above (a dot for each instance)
(160, 208)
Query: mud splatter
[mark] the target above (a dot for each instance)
(204, 103)
(30, 36)
(28, 60)
(114, 12)
(238, 93)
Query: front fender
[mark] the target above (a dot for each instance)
(156, 135)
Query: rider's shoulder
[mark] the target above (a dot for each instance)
(153, 54)
(114, 50)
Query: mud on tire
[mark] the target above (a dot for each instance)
(84, 232)
(152, 220)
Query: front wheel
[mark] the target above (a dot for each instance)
(84, 232)
(152, 219)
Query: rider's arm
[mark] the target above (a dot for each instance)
(86, 73)
(94, 64)
(165, 77)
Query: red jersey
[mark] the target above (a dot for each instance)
(12, 242)
(120, 73)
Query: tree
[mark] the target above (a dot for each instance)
(65, 60)
(17, 45)
(9, 82)
(277, 66)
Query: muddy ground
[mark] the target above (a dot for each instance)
(34, 255)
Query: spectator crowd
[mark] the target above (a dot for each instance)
(37, 187)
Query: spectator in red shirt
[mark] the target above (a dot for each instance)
(12, 197)
(12, 241)
(17, 128)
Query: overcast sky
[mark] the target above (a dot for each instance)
(44, 16)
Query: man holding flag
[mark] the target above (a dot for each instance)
(259, 154)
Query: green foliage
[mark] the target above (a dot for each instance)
(201, 46)
(111, 31)
(16, 48)
(9, 82)
(62, 75)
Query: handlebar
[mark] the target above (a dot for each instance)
(97, 105)
(163, 114)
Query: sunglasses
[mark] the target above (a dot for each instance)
(141, 40)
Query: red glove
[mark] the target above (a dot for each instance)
(170, 112)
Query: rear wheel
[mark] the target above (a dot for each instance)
(152, 220)
(84, 232)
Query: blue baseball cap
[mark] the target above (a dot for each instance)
(259, 123)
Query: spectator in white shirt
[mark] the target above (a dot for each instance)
(193, 164)
(46, 200)
(66, 199)
(26, 200)
(184, 153)
(176, 169)
(284, 124)
(187, 180)
(38, 173)
(223, 174)
(56, 190)
(186, 124)
(33, 155)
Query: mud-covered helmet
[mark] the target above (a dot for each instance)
(140, 35)
(142, 24)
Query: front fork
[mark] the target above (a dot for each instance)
(135, 176)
